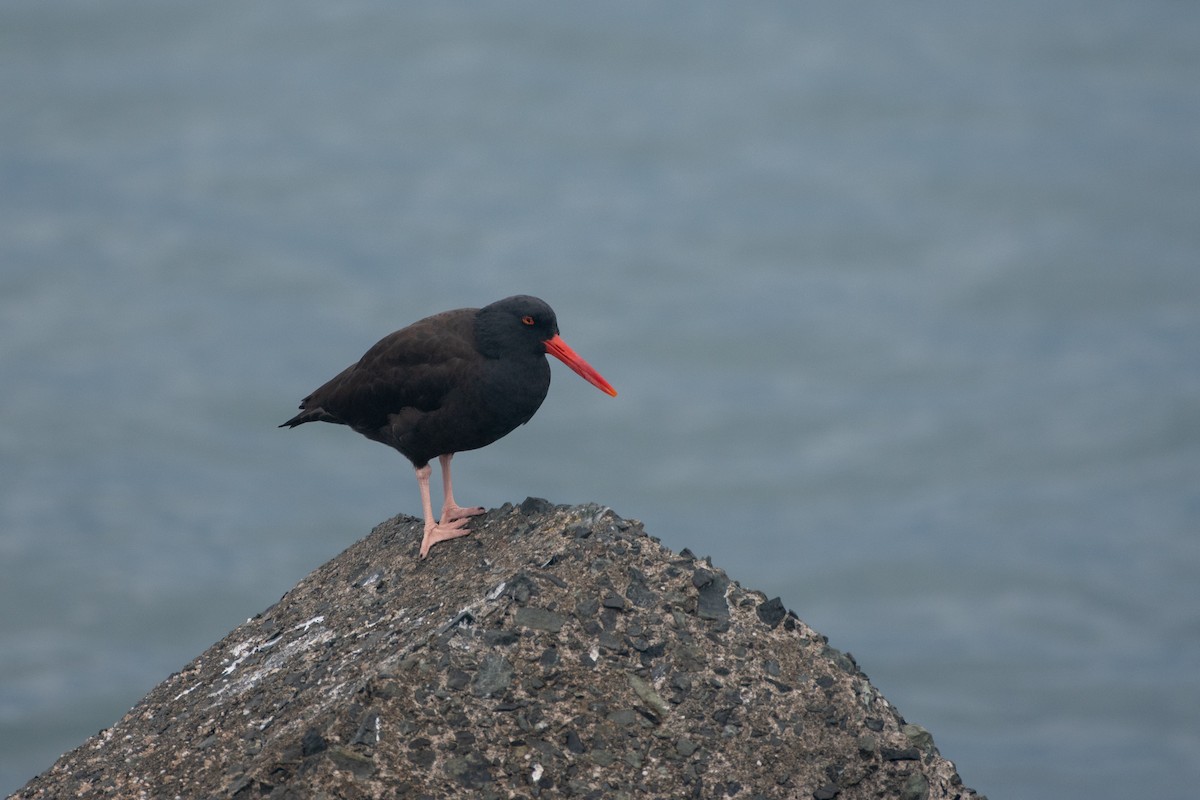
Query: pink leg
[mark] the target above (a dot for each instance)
(451, 511)
(434, 531)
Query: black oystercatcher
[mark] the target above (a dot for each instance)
(455, 381)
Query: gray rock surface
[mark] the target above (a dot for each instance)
(555, 652)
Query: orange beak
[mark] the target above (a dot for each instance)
(556, 347)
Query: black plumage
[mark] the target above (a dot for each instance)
(454, 381)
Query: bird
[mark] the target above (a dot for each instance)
(453, 381)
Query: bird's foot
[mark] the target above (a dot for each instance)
(451, 513)
(442, 531)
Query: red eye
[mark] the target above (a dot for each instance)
(528, 320)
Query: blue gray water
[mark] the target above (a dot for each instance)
(903, 302)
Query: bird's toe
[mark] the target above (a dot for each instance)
(455, 513)
(441, 532)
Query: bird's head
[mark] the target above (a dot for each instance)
(527, 324)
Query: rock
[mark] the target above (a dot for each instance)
(772, 612)
(711, 603)
(650, 697)
(919, 737)
(531, 506)
(558, 651)
(915, 788)
(494, 676)
(540, 619)
(898, 754)
(614, 600)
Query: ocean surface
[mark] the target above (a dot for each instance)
(902, 301)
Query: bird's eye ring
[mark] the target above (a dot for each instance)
(528, 320)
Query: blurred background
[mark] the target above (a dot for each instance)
(902, 300)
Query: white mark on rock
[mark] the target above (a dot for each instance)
(186, 692)
(273, 663)
(244, 650)
(309, 623)
(535, 774)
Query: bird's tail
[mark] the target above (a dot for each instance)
(317, 414)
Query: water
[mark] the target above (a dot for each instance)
(902, 302)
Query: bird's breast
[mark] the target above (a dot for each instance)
(475, 413)
(512, 393)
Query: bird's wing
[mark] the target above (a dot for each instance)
(413, 368)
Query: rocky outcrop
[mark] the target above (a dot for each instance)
(555, 652)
